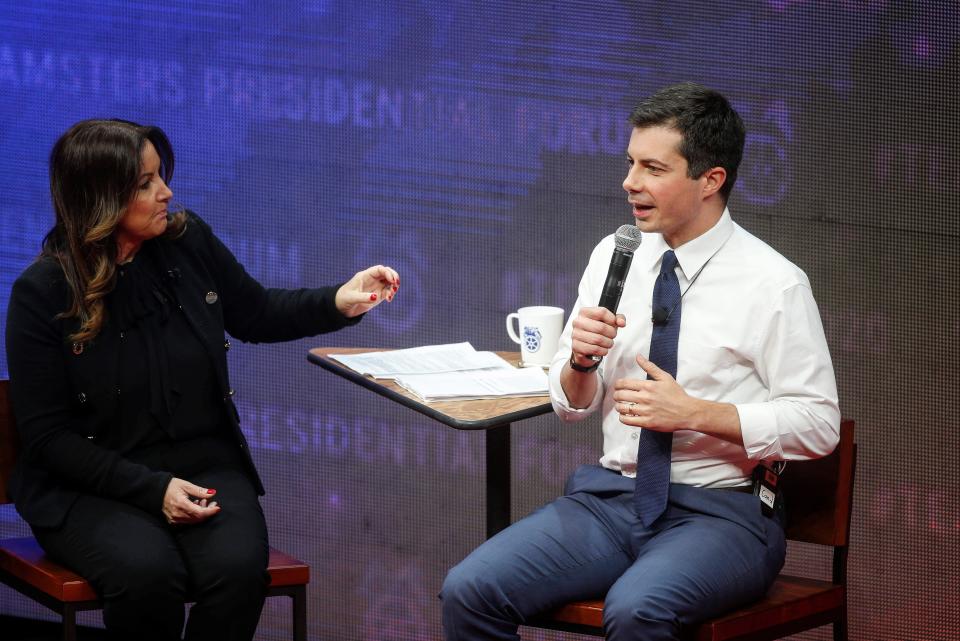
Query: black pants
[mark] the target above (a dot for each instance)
(145, 569)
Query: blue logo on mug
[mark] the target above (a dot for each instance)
(531, 338)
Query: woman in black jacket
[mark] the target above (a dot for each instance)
(118, 374)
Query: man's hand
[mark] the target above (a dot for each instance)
(662, 405)
(594, 329)
(658, 403)
(185, 503)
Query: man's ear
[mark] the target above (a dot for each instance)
(713, 179)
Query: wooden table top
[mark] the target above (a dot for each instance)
(479, 414)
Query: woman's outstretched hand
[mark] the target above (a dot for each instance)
(185, 502)
(366, 290)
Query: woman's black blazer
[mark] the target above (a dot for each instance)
(65, 397)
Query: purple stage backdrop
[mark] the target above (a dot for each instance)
(478, 147)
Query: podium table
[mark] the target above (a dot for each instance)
(494, 416)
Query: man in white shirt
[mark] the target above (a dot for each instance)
(744, 377)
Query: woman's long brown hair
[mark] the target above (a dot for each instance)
(94, 174)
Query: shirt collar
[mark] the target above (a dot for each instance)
(693, 254)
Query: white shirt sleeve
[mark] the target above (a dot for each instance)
(801, 418)
(587, 296)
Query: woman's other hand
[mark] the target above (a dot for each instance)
(185, 502)
(366, 290)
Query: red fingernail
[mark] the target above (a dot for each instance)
(373, 297)
(211, 491)
(396, 287)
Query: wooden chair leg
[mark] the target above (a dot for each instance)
(69, 622)
(300, 613)
(840, 628)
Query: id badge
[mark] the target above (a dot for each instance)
(765, 482)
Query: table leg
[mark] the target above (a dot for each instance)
(498, 478)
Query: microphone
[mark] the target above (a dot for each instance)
(627, 240)
(661, 315)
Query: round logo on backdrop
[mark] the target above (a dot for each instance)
(407, 259)
(531, 338)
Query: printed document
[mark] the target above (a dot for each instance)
(475, 384)
(430, 359)
(449, 372)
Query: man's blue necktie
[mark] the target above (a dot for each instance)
(653, 452)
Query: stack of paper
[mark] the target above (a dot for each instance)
(449, 372)
(431, 359)
(483, 383)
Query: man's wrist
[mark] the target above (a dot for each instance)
(577, 367)
(718, 419)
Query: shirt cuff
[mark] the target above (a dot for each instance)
(559, 399)
(758, 428)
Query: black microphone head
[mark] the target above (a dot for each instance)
(627, 238)
(660, 316)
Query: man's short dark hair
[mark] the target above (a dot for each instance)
(713, 133)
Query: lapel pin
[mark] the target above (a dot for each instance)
(211, 298)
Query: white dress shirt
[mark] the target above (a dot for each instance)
(750, 335)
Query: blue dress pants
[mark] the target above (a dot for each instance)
(711, 551)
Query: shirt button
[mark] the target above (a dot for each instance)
(634, 436)
(82, 397)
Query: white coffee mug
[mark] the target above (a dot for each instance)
(539, 337)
